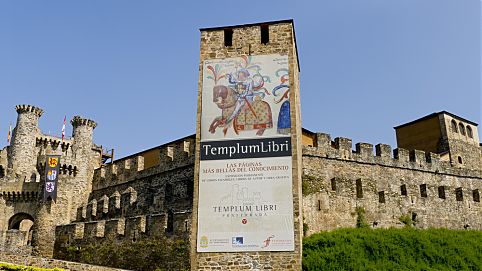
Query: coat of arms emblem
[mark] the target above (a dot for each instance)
(53, 161)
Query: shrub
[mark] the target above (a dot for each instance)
(360, 218)
(393, 249)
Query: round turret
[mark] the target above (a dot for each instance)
(23, 157)
(82, 133)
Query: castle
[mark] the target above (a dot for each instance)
(432, 179)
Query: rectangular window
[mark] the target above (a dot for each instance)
(441, 192)
(228, 37)
(333, 184)
(459, 194)
(403, 190)
(476, 195)
(264, 34)
(423, 190)
(168, 192)
(381, 197)
(359, 189)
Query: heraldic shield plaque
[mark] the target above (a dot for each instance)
(52, 167)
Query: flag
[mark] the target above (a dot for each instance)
(51, 177)
(63, 128)
(9, 138)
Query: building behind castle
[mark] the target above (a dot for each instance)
(432, 179)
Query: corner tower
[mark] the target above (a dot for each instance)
(23, 156)
(248, 100)
(455, 139)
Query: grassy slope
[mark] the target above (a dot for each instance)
(393, 249)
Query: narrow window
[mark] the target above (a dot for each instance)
(469, 132)
(423, 190)
(459, 195)
(403, 190)
(170, 221)
(190, 188)
(461, 128)
(441, 192)
(459, 159)
(319, 205)
(333, 184)
(2, 172)
(228, 37)
(264, 34)
(414, 217)
(134, 235)
(168, 192)
(476, 195)
(381, 197)
(454, 126)
(359, 189)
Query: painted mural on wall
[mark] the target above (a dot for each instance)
(245, 172)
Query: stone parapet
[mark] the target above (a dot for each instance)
(25, 108)
(80, 121)
(173, 156)
(341, 149)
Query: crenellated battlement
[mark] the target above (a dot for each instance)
(65, 169)
(342, 148)
(54, 143)
(129, 228)
(108, 206)
(20, 191)
(80, 121)
(171, 156)
(25, 108)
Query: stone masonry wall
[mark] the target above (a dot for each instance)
(246, 40)
(415, 184)
(130, 205)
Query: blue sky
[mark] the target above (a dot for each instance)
(132, 66)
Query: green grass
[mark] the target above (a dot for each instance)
(393, 249)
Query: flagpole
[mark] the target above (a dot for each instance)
(9, 137)
(63, 128)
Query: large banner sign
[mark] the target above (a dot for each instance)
(245, 175)
(52, 168)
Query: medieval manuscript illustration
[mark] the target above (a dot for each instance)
(245, 97)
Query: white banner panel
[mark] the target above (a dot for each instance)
(245, 181)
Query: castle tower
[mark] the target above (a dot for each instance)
(455, 139)
(23, 156)
(248, 99)
(73, 189)
(83, 148)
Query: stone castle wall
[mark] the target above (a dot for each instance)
(413, 184)
(130, 204)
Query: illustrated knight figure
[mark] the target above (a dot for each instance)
(241, 100)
